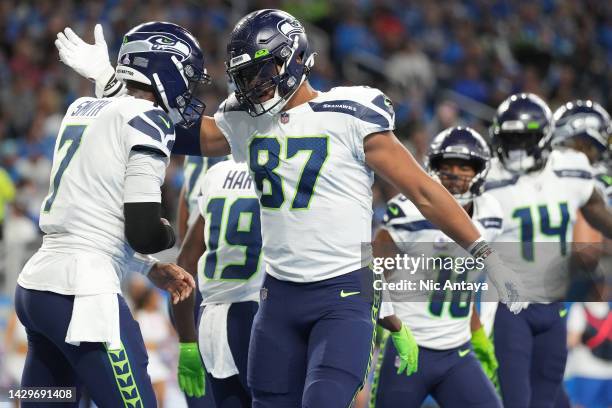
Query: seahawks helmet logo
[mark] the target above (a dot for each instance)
(146, 42)
(169, 43)
(290, 27)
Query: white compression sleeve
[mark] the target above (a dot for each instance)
(144, 176)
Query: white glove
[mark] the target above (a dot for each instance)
(507, 283)
(88, 60)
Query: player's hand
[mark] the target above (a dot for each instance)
(507, 282)
(88, 60)
(191, 371)
(484, 350)
(177, 281)
(407, 350)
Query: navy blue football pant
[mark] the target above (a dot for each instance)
(311, 343)
(113, 378)
(233, 392)
(454, 378)
(531, 350)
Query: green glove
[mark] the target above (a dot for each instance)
(485, 352)
(190, 370)
(407, 350)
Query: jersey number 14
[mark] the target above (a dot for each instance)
(524, 214)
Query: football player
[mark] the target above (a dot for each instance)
(540, 192)
(585, 126)
(311, 155)
(103, 205)
(443, 322)
(224, 247)
(194, 169)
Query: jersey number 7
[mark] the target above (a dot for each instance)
(265, 158)
(72, 136)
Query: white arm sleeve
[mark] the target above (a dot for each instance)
(144, 176)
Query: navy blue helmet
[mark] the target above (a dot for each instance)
(585, 120)
(521, 132)
(462, 143)
(168, 60)
(268, 58)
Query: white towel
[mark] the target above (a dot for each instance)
(212, 339)
(95, 319)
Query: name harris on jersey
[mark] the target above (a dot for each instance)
(237, 180)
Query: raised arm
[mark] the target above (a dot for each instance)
(205, 139)
(392, 161)
(92, 62)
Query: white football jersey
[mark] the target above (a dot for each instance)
(308, 166)
(539, 216)
(232, 268)
(603, 182)
(194, 169)
(437, 324)
(83, 212)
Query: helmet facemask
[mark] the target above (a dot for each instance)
(464, 185)
(266, 84)
(186, 108)
(522, 152)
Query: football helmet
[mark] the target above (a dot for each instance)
(167, 59)
(268, 58)
(521, 132)
(461, 143)
(583, 120)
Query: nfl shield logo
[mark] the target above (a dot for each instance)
(284, 118)
(263, 294)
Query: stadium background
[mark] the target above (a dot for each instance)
(442, 63)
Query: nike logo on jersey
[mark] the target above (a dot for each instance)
(165, 121)
(563, 312)
(344, 294)
(463, 353)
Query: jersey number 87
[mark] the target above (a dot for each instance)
(265, 158)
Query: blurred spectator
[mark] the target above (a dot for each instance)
(21, 240)
(7, 194)
(16, 348)
(589, 365)
(156, 332)
(411, 69)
